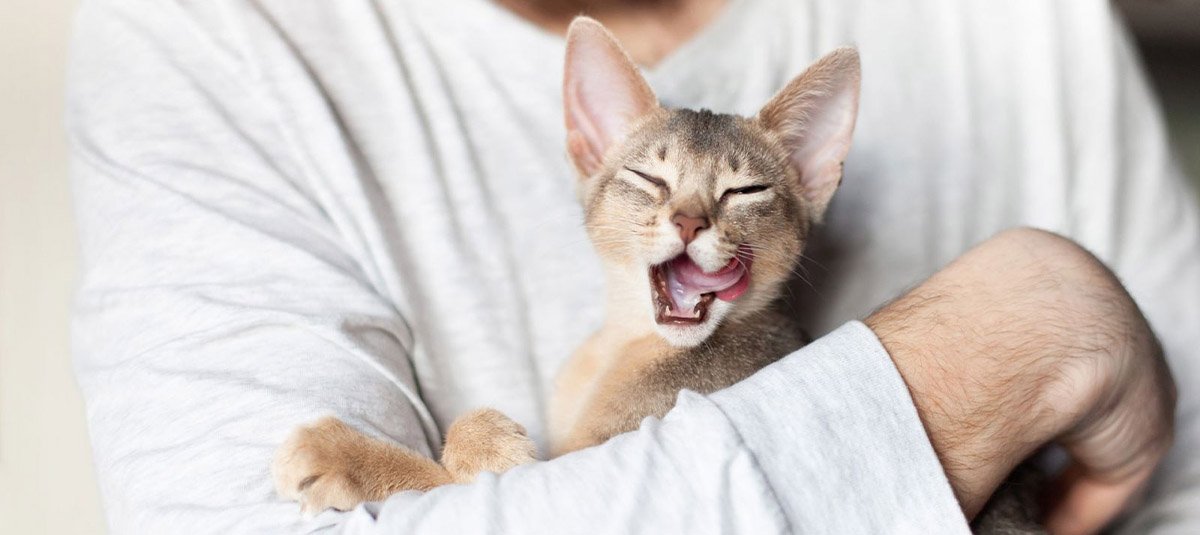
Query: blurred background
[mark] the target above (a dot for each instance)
(46, 479)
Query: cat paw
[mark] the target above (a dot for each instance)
(485, 440)
(316, 467)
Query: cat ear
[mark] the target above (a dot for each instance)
(603, 93)
(814, 118)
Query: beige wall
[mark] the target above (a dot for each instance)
(46, 479)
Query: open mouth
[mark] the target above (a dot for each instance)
(682, 292)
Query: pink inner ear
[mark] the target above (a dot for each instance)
(823, 144)
(584, 138)
(603, 93)
(814, 115)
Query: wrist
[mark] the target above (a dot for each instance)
(982, 352)
(980, 429)
(1025, 340)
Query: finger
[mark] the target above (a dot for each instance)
(1087, 503)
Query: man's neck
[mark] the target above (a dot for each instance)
(649, 29)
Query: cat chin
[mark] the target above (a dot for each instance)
(685, 335)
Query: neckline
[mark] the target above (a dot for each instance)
(672, 62)
(702, 43)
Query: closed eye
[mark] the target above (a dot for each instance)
(658, 182)
(745, 190)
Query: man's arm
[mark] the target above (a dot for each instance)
(1000, 362)
(1025, 340)
(1133, 206)
(794, 449)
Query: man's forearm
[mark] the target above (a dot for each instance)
(999, 361)
(794, 448)
(1025, 340)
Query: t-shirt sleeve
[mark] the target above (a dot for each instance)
(219, 305)
(836, 431)
(826, 440)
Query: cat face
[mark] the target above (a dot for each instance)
(703, 215)
(706, 210)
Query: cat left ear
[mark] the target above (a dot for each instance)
(814, 117)
(603, 94)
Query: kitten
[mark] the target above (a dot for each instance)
(699, 218)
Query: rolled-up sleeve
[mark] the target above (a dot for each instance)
(837, 434)
(827, 440)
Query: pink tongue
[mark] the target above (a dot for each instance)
(686, 282)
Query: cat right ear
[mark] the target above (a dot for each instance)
(814, 118)
(603, 94)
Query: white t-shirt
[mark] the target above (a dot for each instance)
(291, 208)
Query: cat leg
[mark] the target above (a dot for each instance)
(331, 465)
(485, 440)
(573, 387)
(615, 409)
(619, 405)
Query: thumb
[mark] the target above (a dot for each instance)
(1086, 502)
(1114, 453)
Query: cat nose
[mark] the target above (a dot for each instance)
(689, 226)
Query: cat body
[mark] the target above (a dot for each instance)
(613, 382)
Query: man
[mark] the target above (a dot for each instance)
(292, 209)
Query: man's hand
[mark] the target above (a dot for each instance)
(1026, 340)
